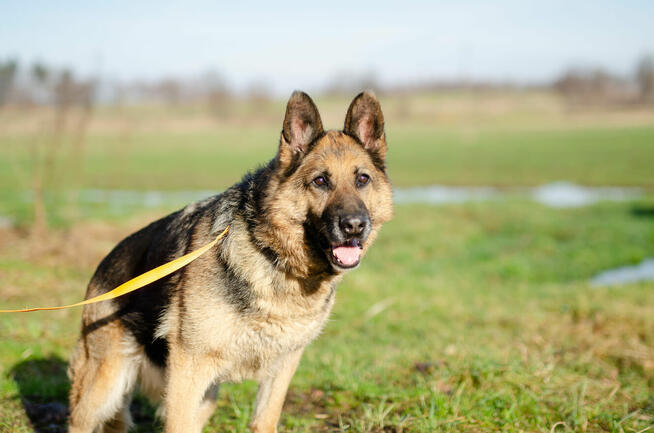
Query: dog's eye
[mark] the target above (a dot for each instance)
(363, 179)
(320, 181)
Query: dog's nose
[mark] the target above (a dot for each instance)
(353, 225)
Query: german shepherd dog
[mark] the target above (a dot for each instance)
(247, 308)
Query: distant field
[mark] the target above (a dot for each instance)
(418, 155)
(464, 139)
(505, 140)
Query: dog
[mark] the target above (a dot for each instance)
(247, 308)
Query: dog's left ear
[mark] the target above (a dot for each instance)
(365, 121)
(302, 125)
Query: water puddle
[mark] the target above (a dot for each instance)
(441, 194)
(557, 194)
(150, 199)
(644, 271)
(565, 194)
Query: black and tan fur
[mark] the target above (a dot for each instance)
(246, 309)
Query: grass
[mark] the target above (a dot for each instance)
(419, 155)
(462, 318)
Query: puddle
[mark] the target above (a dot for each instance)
(557, 194)
(118, 197)
(644, 271)
(440, 194)
(565, 194)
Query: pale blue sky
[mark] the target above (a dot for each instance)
(304, 44)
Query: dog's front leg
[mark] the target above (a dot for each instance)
(272, 392)
(188, 378)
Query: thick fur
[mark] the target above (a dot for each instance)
(246, 309)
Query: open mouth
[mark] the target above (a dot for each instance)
(346, 255)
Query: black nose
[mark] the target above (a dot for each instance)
(353, 225)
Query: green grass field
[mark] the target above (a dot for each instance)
(475, 317)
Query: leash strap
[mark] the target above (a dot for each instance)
(139, 281)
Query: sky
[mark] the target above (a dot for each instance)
(288, 45)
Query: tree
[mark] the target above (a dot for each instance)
(40, 73)
(645, 78)
(7, 75)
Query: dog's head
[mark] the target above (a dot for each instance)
(331, 192)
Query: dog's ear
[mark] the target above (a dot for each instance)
(302, 125)
(365, 121)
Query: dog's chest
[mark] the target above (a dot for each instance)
(261, 341)
(246, 344)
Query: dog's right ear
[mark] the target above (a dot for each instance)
(302, 125)
(365, 121)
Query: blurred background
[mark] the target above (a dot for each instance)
(98, 99)
(512, 291)
(154, 96)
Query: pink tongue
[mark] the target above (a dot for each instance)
(347, 255)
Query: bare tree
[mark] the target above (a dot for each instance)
(170, 91)
(40, 75)
(258, 97)
(218, 95)
(645, 78)
(7, 75)
(72, 103)
(590, 86)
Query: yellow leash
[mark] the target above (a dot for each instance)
(139, 281)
